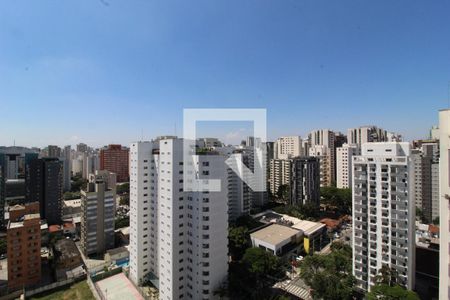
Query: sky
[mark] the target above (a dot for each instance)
(112, 71)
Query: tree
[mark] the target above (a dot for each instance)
(124, 200)
(339, 198)
(329, 276)
(3, 246)
(283, 192)
(123, 188)
(253, 276)
(238, 238)
(421, 215)
(386, 292)
(436, 221)
(386, 276)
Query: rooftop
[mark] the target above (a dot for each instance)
(274, 234)
(66, 249)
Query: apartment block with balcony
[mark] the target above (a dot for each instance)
(383, 213)
(178, 237)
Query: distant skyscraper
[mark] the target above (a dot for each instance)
(114, 158)
(82, 148)
(67, 167)
(54, 151)
(2, 189)
(344, 157)
(181, 236)
(288, 146)
(98, 212)
(280, 174)
(44, 183)
(305, 181)
(319, 141)
(426, 179)
(324, 155)
(383, 213)
(444, 200)
(366, 134)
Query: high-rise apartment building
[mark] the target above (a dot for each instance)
(426, 178)
(44, 183)
(24, 246)
(366, 134)
(2, 189)
(305, 181)
(383, 213)
(323, 144)
(114, 158)
(344, 158)
(81, 148)
(67, 168)
(280, 174)
(178, 238)
(288, 146)
(444, 202)
(324, 155)
(98, 207)
(54, 151)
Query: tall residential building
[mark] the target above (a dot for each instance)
(383, 213)
(240, 195)
(434, 133)
(98, 203)
(24, 246)
(444, 202)
(44, 183)
(2, 189)
(326, 138)
(366, 134)
(178, 238)
(344, 158)
(114, 158)
(323, 153)
(426, 178)
(305, 181)
(54, 151)
(82, 148)
(288, 146)
(280, 174)
(67, 168)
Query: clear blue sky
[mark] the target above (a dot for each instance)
(102, 71)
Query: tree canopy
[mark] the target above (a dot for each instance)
(329, 276)
(339, 198)
(386, 292)
(238, 241)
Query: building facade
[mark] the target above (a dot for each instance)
(44, 183)
(24, 246)
(444, 204)
(114, 158)
(383, 213)
(344, 158)
(178, 238)
(288, 146)
(98, 209)
(366, 134)
(280, 174)
(305, 181)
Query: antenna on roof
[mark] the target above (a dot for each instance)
(142, 134)
(176, 122)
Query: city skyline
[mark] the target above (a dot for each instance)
(129, 70)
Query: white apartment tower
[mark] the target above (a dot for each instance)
(344, 157)
(288, 146)
(444, 201)
(280, 174)
(178, 239)
(383, 213)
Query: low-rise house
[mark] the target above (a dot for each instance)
(67, 258)
(278, 239)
